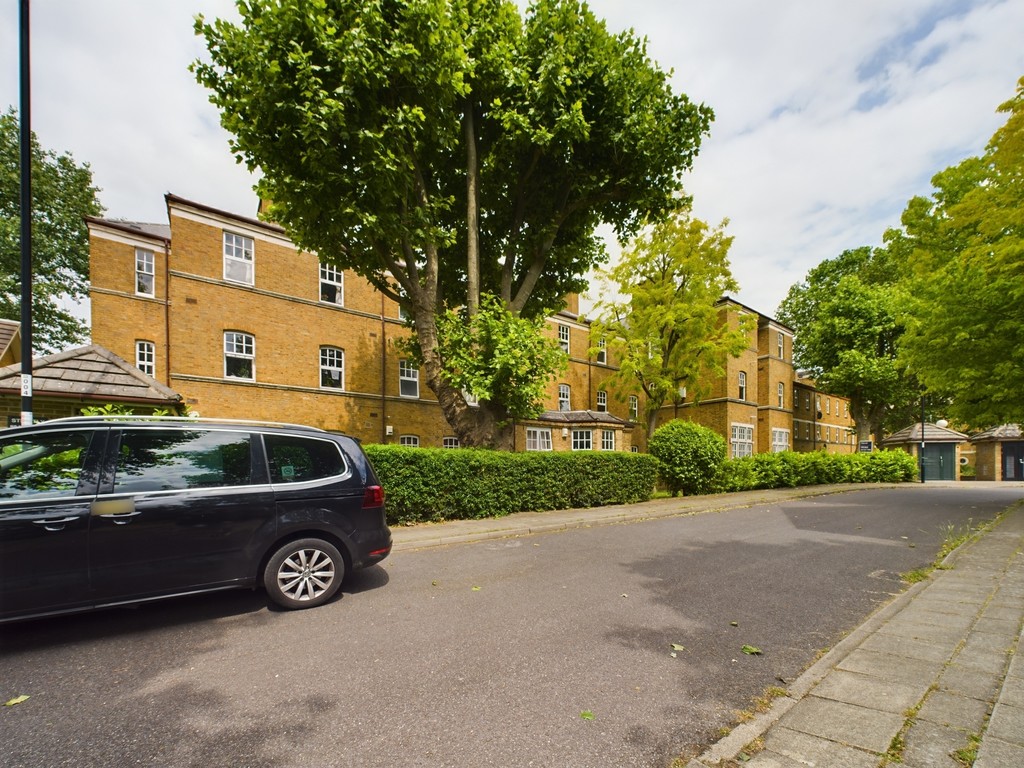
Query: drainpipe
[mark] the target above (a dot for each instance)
(383, 372)
(167, 312)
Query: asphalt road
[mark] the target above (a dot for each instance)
(483, 654)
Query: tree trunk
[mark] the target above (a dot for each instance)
(482, 426)
(472, 214)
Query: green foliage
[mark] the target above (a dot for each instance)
(690, 456)
(119, 409)
(789, 470)
(964, 294)
(845, 317)
(497, 356)
(445, 150)
(62, 195)
(666, 331)
(431, 484)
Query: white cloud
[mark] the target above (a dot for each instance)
(829, 116)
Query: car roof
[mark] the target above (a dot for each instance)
(149, 421)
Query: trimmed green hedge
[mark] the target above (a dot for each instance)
(434, 484)
(789, 469)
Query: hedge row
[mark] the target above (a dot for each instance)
(789, 469)
(433, 484)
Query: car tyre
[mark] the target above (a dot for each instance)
(304, 574)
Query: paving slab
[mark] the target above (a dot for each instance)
(803, 750)
(990, 625)
(950, 633)
(913, 649)
(847, 724)
(890, 667)
(871, 692)
(1007, 724)
(927, 745)
(983, 686)
(983, 660)
(995, 753)
(948, 709)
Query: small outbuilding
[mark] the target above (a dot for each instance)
(999, 453)
(940, 457)
(65, 382)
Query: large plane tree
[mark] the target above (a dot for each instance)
(459, 155)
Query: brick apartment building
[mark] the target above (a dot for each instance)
(224, 310)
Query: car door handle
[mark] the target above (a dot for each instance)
(121, 511)
(56, 524)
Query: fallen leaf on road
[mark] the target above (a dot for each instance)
(734, 623)
(586, 714)
(16, 700)
(678, 647)
(751, 650)
(476, 589)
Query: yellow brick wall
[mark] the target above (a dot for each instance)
(289, 323)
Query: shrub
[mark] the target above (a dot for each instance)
(735, 475)
(433, 484)
(690, 456)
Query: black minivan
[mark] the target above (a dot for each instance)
(102, 511)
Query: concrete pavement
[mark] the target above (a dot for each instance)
(930, 680)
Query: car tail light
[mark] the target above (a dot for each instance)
(374, 496)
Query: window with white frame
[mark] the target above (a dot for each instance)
(846, 409)
(563, 338)
(538, 439)
(449, 442)
(408, 379)
(332, 284)
(145, 357)
(238, 258)
(634, 449)
(239, 355)
(817, 432)
(742, 385)
(145, 272)
(782, 395)
(828, 405)
(332, 368)
(582, 440)
(807, 400)
(634, 407)
(782, 346)
(807, 431)
(602, 352)
(607, 439)
(409, 441)
(780, 440)
(742, 440)
(563, 397)
(602, 400)
(817, 403)
(828, 434)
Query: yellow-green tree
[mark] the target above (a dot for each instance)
(661, 321)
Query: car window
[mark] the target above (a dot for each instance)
(167, 460)
(295, 459)
(45, 464)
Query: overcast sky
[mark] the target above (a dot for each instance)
(830, 114)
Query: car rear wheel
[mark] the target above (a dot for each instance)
(304, 573)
